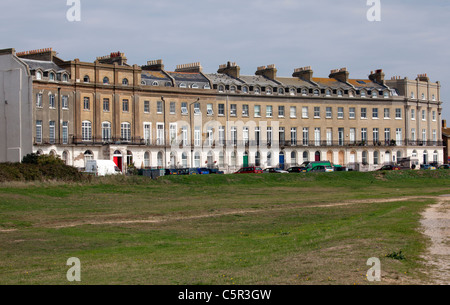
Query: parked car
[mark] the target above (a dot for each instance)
(444, 166)
(171, 171)
(203, 171)
(250, 170)
(275, 170)
(215, 171)
(339, 168)
(427, 166)
(295, 169)
(312, 165)
(321, 168)
(389, 167)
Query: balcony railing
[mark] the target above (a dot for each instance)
(73, 140)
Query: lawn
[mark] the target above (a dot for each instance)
(218, 229)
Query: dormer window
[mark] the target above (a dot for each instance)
(182, 85)
(38, 75)
(245, 89)
(106, 80)
(233, 89)
(194, 86)
(269, 91)
(86, 79)
(281, 91)
(206, 87)
(328, 92)
(386, 94)
(125, 82)
(304, 91)
(65, 77)
(374, 94)
(363, 93)
(221, 88)
(155, 83)
(51, 76)
(316, 92)
(339, 93)
(257, 91)
(143, 82)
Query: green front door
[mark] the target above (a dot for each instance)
(245, 161)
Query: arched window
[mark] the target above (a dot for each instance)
(414, 153)
(245, 89)
(184, 159)
(435, 156)
(328, 92)
(257, 159)
(88, 155)
(125, 82)
(182, 85)
(293, 158)
(38, 75)
(129, 158)
(221, 88)
(194, 86)
(340, 93)
(105, 80)
(155, 83)
(269, 158)
(210, 159)
(304, 91)
(233, 89)
(375, 157)
(51, 76)
(363, 93)
(280, 91)
(86, 79)
(197, 159)
(65, 78)
(374, 94)
(159, 158)
(147, 159)
(364, 157)
(305, 156)
(65, 157)
(269, 91)
(316, 92)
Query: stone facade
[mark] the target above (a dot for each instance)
(150, 117)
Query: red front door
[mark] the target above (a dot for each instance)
(118, 161)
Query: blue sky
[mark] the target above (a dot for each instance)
(411, 38)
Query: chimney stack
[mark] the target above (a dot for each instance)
(114, 57)
(377, 77)
(305, 73)
(270, 71)
(40, 54)
(154, 65)
(230, 69)
(340, 74)
(423, 78)
(195, 67)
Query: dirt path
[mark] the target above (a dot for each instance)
(436, 225)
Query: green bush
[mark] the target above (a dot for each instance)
(39, 167)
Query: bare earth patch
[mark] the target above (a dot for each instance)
(436, 225)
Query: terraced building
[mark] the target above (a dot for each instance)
(147, 116)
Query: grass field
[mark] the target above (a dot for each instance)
(219, 229)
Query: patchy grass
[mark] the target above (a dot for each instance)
(218, 229)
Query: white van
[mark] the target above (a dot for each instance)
(102, 167)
